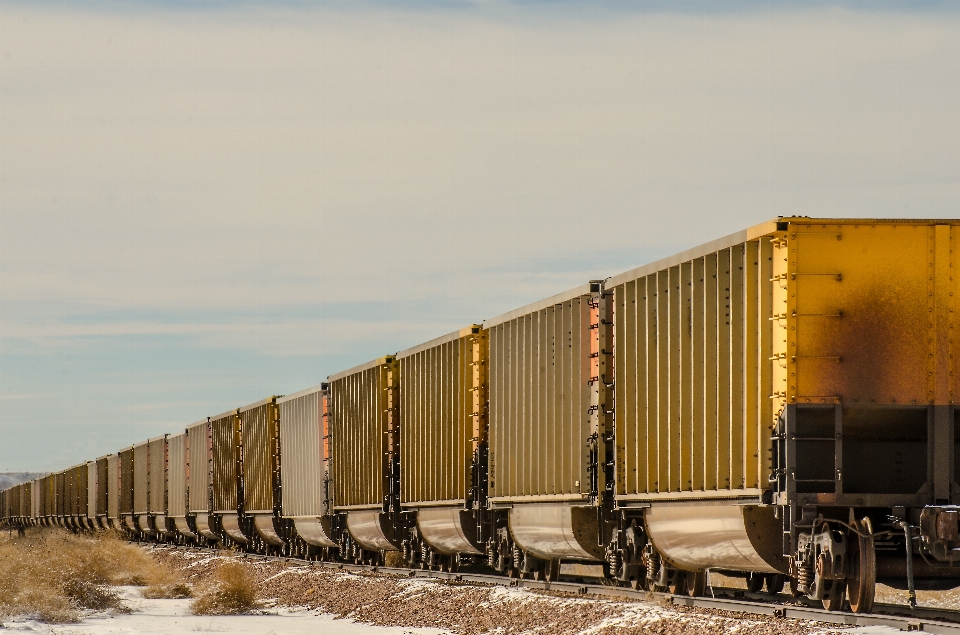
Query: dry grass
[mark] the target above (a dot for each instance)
(53, 575)
(233, 591)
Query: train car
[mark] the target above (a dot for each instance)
(157, 485)
(305, 468)
(15, 495)
(784, 393)
(141, 488)
(443, 450)
(23, 508)
(61, 498)
(365, 431)
(91, 494)
(49, 499)
(550, 407)
(11, 505)
(36, 501)
(200, 516)
(67, 511)
(101, 494)
(227, 479)
(78, 489)
(260, 468)
(177, 498)
(125, 494)
(113, 490)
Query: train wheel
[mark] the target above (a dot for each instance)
(862, 585)
(834, 594)
(794, 591)
(678, 583)
(775, 583)
(696, 583)
(550, 571)
(755, 582)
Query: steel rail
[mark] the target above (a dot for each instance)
(926, 620)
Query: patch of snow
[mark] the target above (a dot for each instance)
(172, 617)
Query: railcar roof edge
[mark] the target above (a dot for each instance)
(437, 341)
(257, 404)
(301, 393)
(583, 289)
(751, 233)
(362, 367)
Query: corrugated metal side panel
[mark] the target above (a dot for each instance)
(80, 484)
(103, 486)
(260, 468)
(50, 495)
(24, 500)
(113, 486)
(360, 405)
(199, 464)
(539, 402)
(303, 462)
(92, 480)
(225, 436)
(126, 482)
(69, 498)
(36, 499)
(79, 490)
(441, 430)
(157, 491)
(177, 474)
(692, 345)
(70, 506)
(61, 489)
(141, 478)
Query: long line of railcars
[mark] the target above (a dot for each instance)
(779, 404)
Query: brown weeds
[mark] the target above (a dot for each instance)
(233, 591)
(53, 575)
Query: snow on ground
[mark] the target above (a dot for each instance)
(172, 617)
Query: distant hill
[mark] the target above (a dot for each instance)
(9, 479)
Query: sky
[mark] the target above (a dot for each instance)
(204, 204)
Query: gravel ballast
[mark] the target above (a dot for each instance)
(467, 608)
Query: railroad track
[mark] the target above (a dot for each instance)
(924, 620)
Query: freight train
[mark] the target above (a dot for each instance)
(779, 405)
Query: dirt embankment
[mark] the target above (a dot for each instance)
(469, 609)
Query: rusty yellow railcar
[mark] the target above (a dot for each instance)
(260, 431)
(549, 409)
(125, 495)
(227, 474)
(773, 381)
(443, 450)
(365, 435)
